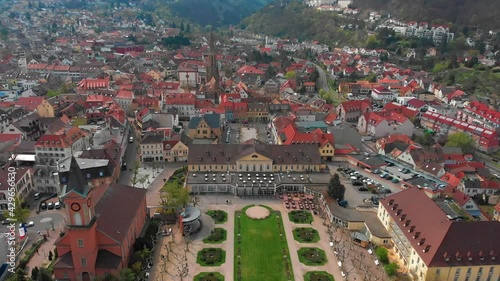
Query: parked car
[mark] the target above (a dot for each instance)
(27, 224)
(390, 164)
(343, 203)
(384, 175)
(57, 205)
(389, 177)
(131, 139)
(395, 180)
(43, 206)
(357, 183)
(375, 200)
(376, 171)
(405, 171)
(362, 188)
(37, 195)
(377, 262)
(8, 221)
(50, 206)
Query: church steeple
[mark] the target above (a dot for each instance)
(212, 66)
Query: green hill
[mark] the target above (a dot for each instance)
(463, 12)
(297, 21)
(216, 12)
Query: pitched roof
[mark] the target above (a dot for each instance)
(212, 119)
(230, 153)
(30, 103)
(420, 220)
(115, 217)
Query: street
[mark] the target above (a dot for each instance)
(130, 157)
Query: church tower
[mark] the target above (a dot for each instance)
(213, 70)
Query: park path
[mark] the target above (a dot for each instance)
(299, 269)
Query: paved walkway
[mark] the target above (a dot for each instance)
(355, 260)
(166, 268)
(41, 258)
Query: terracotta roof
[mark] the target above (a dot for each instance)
(63, 140)
(29, 103)
(420, 220)
(116, 218)
(16, 138)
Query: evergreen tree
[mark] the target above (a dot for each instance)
(51, 256)
(34, 273)
(336, 189)
(188, 28)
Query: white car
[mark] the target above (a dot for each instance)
(377, 262)
(339, 263)
(27, 224)
(343, 274)
(370, 251)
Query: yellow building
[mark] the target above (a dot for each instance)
(434, 248)
(206, 127)
(175, 151)
(36, 104)
(254, 156)
(152, 148)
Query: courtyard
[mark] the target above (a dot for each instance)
(267, 245)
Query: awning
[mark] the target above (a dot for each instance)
(25, 157)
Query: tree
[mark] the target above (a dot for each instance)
(44, 275)
(34, 273)
(51, 256)
(20, 213)
(462, 140)
(56, 254)
(270, 72)
(391, 269)
(382, 255)
(174, 196)
(314, 76)
(291, 75)
(135, 171)
(336, 189)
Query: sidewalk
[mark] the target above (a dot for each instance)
(41, 258)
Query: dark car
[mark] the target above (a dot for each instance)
(43, 206)
(389, 177)
(357, 183)
(362, 188)
(343, 203)
(50, 206)
(390, 164)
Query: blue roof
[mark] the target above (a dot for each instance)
(212, 119)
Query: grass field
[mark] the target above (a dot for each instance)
(261, 249)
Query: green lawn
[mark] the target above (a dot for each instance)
(261, 249)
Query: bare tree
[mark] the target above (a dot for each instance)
(181, 265)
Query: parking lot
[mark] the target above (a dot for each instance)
(363, 197)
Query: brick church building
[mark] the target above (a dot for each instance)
(102, 225)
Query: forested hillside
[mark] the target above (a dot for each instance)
(463, 12)
(216, 12)
(297, 21)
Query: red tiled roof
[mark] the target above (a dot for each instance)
(248, 69)
(17, 138)
(420, 220)
(63, 140)
(124, 94)
(29, 103)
